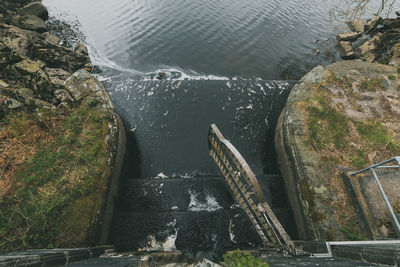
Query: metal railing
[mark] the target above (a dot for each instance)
(381, 165)
(247, 191)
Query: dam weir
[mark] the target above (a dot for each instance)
(172, 195)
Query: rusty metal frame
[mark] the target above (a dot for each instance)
(247, 191)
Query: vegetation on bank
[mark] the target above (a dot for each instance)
(343, 141)
(53, 176)
(237, 258)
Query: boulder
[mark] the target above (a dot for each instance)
(31, 74)
(390, 24)
(25, 95)
(358, 25)
(63, 95)
(37, 9)
(348, 36)
(59, 57)
(346, 50)
(57, 76)
(343, 116)
(3, 84)
(31, 23)
(50, 38)
(16, 39)
(81, 85)
(81, 48)
(371, 24)
(370, 45)
(28, 67)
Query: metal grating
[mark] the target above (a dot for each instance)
(247, 192)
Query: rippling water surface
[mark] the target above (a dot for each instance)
(222, 40)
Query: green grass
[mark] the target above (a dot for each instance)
(325, 125)
(371, 84)
(60, 173)
(242, 259)
(352, 231)
(392, 77)
(359, 159)
(377, 134)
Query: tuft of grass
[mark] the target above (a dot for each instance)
(325, 125)
(238, 258)
(373, 84)
(358, 159)
(392, 77)
(351, 231)
(377, 134)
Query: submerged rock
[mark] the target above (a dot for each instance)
(348, 36)
(346, 50)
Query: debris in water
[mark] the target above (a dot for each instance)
(133, 128)
(175, 208)
(250, 106)
(166, 113)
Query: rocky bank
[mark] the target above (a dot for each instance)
(61, 140)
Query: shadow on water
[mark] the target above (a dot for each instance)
(132, 162)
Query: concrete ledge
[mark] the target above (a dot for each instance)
(380, 254)
(50, 257)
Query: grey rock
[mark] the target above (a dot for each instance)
(81, 85)
(32, 23)
(17, 39)
(37, 9)
(81, 48)
(358, 25)
(372, 23)
(3, 84)
(59, 57)
(12, 103)
(48, 37)
(397, 13)
(366, 49)
(28, 67)
(57, 76)
(43, 104)
(346, 50)
(390, 24)
(63, 96)
(26, 95)
(348, 36)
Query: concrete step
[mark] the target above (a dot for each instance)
(183, 230)
(141, 195)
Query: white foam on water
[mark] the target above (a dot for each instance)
(167, 245)
(209, 205)
(231, 234)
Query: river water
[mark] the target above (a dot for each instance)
(229, 62)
